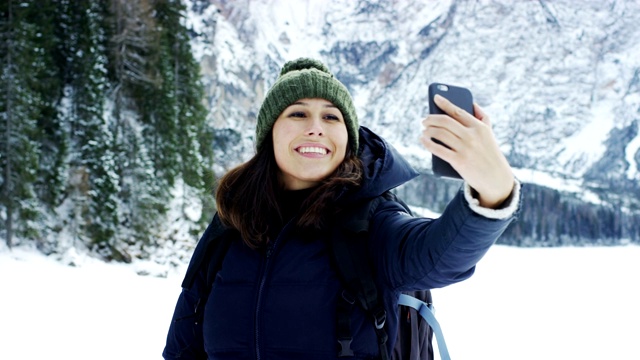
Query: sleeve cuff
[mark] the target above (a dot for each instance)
(506, 210)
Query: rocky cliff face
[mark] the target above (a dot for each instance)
(561, 81)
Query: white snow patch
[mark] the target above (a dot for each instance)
(581, 146)
(630, 151)
(574, 186)
(550, 303)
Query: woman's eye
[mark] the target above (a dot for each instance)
(332, 117)
(297, 114)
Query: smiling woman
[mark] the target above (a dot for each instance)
(310, 141)
(276, 291)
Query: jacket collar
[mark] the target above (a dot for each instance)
(384, 167)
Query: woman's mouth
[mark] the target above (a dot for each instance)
(312, 150)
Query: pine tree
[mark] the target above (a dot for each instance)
(93, 181)
(160, 84)
(52, 171)
(144, 193)
(20, 108)
(182, 79)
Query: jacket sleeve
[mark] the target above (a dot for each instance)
(421, 253)
(185, 340)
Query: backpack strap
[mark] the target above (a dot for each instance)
(426, 311)
(211, 250)
(347, 243)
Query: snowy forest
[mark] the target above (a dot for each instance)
(102, 127)
(117, 116)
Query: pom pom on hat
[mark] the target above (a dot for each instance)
(300, 79)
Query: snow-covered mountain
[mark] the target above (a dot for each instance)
(560, 80)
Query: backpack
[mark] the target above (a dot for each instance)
(416, 322)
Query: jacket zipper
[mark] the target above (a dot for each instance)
(270, 250)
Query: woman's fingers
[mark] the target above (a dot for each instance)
(471, 149)
(454, 111)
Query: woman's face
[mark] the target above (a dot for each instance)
(309, 141)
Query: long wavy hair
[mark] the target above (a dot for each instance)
(247, 196)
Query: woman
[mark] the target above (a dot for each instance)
(276, 294)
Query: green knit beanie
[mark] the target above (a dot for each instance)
(300, 79)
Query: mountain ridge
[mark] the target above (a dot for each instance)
(560, 80)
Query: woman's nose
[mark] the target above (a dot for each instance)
(315, 126)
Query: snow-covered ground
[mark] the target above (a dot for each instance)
(563, 303)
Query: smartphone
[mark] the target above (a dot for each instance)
(462, 98)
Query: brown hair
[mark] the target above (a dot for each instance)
(247, 196)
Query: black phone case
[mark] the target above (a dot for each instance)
(462, 98)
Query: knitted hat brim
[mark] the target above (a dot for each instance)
(306, 84)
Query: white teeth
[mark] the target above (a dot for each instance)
(312, 149)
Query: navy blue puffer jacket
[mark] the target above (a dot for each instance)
(281, 304)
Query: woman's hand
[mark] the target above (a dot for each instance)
(473, 153)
